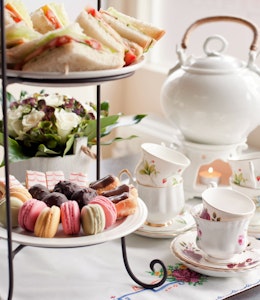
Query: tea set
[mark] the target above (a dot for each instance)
(218, 225)
(214, 101)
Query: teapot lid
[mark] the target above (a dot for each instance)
(215, 61)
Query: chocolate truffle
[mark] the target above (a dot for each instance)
(38, 191)
(54, 198)
(83, 196)
(66, 187)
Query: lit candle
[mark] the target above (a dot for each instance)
(206, 177)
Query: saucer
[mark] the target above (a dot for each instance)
(179, 224)
(184, 248)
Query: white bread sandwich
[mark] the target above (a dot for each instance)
(19, 33)
(94, 25)
(49, 17)
(15, 12)
(64, 50)
(132, 29)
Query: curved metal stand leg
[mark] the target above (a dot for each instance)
(18, 249)
(152, 264)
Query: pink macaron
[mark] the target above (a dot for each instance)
(29, 213)
(70, 217)
(108, 207)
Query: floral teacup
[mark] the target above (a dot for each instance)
(246, 170)
(160, 166)
(222, 240)
(223, 204)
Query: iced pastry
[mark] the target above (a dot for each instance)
(29, 213)
(80, 179)
(70, 217)
(83, 196)
(93, 219)
(34, 177)
(15, 205)
(52, 178)
(106, 183)
(47, 223)
(129, 205)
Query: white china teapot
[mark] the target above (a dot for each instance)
(213, 99)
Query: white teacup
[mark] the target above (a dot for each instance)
(223, 204)
(159, 165)
(222, 240)
(254, 194)
(163, 203)
(246, 169)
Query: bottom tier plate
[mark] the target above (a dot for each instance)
(121, 228)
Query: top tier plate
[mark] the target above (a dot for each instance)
(73, 78)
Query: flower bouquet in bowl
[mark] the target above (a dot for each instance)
(47, 129)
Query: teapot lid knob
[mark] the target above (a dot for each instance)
(222, 44)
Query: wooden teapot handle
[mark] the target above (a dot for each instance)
(221, 18)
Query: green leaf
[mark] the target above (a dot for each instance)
(44, 151)
(15, 151)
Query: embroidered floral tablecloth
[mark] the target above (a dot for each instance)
(98, 272)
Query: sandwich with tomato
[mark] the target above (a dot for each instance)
(132, 29)
(49, 17)
(64, 50)
(16, 12)
(94, 25)
(19, 33)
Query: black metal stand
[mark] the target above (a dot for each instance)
(10, 79)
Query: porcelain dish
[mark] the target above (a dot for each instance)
(184, 248)
(180, 224)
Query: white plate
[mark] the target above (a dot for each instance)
(184, 248)
(92, 77)
(180, 224)
(120, 229)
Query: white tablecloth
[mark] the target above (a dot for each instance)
(98, 272)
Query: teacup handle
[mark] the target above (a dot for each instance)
(252, 174)
(129, 175)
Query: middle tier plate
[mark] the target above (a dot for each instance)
(120, 229)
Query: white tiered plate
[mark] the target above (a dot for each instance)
(184, 248)
(180, 224)
(93, 77)
(121, 228)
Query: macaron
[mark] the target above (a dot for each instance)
(109, 209)
(29, 213)
(15, 205)
(47, 223)
(70, 217)
(20, 193)
(93, 219)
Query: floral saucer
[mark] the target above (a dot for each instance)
(184, 248)
(179, 224)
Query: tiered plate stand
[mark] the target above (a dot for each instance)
(87, 78)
